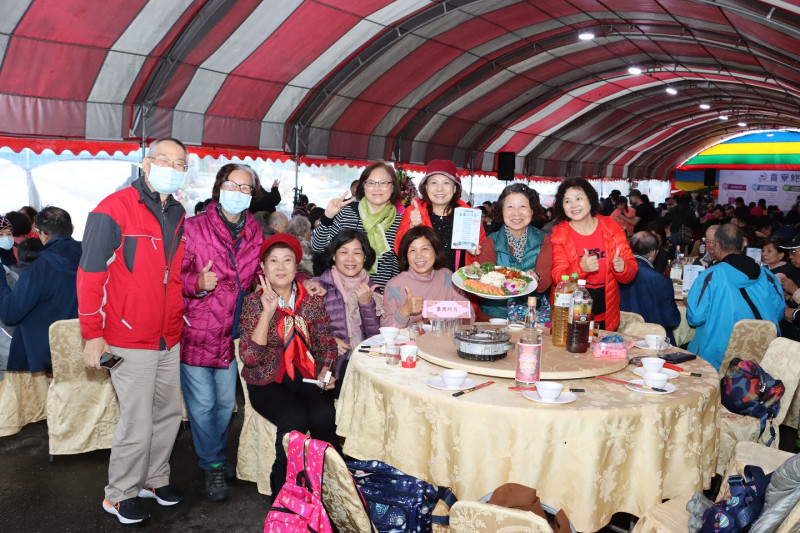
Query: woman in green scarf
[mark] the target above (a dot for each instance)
(372, 211)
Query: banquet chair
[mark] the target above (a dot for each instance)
(781, 362)
(256, 442)
(340, 495)
(672, 516)
(82, 407)
(477, 517)
(626, 318)
(640, 329)
(749, 340)
(23, 399)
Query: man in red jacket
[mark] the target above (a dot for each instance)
(130, 305)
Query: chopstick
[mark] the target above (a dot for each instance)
(368, 352)
(681, 371)
(471, 389)
(631, 384)
(510, 387)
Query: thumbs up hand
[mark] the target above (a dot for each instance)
(412, 305)
(415, 214)
(589, 263)
(618, 263)
(207, 280)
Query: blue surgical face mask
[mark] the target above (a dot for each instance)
(165, 180)
(6, 243)
(234, 202)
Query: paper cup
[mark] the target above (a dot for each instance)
(408, 350)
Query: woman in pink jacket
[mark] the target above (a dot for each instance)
(219, 268)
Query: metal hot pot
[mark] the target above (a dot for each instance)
(482, 344)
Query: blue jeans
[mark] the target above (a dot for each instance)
(209, 394)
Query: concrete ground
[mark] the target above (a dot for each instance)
(66, 495)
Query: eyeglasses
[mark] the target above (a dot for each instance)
(793, 250)
(233, 186)
(378, 184)
(161, 161)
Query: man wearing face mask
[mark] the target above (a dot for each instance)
(220, 266)
(130, 304)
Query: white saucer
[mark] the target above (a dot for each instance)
(437, 383)
(498, 321)
(516, 326)
(564, 397)
(669, 387)
(639, 371)
(643, 345)
(378, 340)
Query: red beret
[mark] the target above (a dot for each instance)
(284, 238)
(443, 167)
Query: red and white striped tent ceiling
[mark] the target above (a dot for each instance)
(408, 80)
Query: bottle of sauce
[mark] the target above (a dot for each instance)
(562, 302)
(529, 347)
(580, 324)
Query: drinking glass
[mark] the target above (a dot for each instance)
(392, 353)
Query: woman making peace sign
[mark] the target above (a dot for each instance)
(373, 213)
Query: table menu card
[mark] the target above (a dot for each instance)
(466, 228)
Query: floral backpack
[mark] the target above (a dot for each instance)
(298, 505)
(748, 390)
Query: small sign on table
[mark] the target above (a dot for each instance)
(441, 309)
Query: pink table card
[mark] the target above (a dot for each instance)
(445, 309)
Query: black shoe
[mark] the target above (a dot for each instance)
(216, 488)
(230, 471)
(166, 495)
(130, 511)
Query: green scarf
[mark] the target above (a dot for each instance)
(375, 226)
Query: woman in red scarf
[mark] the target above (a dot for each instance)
(286, 338)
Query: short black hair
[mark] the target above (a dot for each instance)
(414, 234)
(730, 238)
(396, 193)
(518, 188)
(28, 250)
(324, 260)
(20, 223)
(574, 183)
(54, 222)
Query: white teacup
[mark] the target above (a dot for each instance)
(408, 350)
(389, 334)
(652, 364)
(655, 379)
(549, 390)
(453, 378)
(498, 321)
(654, 341)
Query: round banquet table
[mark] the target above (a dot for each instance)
(612, 450)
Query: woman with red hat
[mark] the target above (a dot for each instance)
(441, 194)
(285, 340)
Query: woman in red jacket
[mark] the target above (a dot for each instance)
(592, 245)
(441, 194)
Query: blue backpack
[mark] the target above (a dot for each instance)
(748, 390)
(736, 514)
(397, 502)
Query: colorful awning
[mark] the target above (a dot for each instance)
(755, 151)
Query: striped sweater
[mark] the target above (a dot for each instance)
(348, 218)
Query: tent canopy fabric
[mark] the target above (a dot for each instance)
(406, 80)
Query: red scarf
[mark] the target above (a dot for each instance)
(296, 346)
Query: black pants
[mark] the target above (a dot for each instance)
(294, 406)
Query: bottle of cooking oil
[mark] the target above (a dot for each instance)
(562, 303)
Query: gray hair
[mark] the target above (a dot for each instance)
(643, 242)
(153, 145)
(298, 226)
(730, 238)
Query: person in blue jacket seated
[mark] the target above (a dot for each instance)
(44, 293)
(650, 294)
(735, 288)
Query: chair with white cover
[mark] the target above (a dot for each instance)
(672, 516)
(82, 407)
(256, 452)
(782, 361)
(640, 329)
(23, 400)
(749, 340)
(477, 517)
(626, 318)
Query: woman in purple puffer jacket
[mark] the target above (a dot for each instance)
(351, 298)
(219, 268)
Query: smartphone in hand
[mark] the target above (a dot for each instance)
(109, 360)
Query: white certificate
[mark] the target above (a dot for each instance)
(466, 228)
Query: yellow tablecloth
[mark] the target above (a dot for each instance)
(613, 450)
